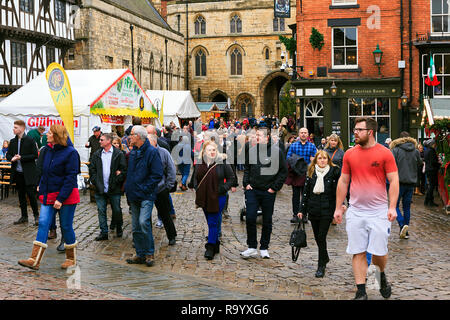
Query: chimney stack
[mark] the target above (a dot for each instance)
(164, 9)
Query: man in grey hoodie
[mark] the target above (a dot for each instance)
(407, 158)
(162, 202)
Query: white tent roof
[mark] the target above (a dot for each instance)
(176, 104)
(34, 97)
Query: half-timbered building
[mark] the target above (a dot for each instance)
(33, 34)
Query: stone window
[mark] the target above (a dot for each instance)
(26, 6)
(200, 64)
(125, 63)
(245, 104)
(440, 17)
(60, 10)
(235, 24)
(18, 54)
(179, 76)
(139, 65)
(278, 24)
(50, 55)
(200, 25)
(236, 62)
(161, 74)
(152, 70)
(170, 74)
(345, 47)
(267, 53)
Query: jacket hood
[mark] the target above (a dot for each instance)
(406, 143)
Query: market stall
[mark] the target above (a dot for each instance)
(176, 106)
(104, 98)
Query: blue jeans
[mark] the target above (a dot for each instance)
(184, 169)
(214, 220)
(141, 222)
(255, 199)
(102, 200)
(405, 195)
(66, 214)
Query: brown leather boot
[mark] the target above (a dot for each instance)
(34, 261)
(71, 256)
(52, 234)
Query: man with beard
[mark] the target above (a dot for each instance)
(369, 215)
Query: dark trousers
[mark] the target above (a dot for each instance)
(162, 204)
(255, 199)
(23, 190)
(102, 201)
(431, 185)
(320, 228)
(296, 199)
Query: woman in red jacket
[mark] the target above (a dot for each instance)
(58, 190)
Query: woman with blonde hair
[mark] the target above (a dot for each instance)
(335, 149)
(58, 190)
(319, 202)
(213, 178)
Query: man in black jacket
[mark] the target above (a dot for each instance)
(107, 173)
(432, 165)
(264, 174)
(23, 153)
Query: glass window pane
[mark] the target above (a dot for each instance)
(438, 88)
(350, 56)
(426, 63)
(339, 57)
(447, 64)
(203, 27)
(355, 107)
(436, 6)
(383, 106)
(239, 26)
(232, 26)
(203, 65)
(196, 27)
(446, 85)
(445, 25)
(239, 64)
(197, 65)
(369, 107)
(275, 24)
(351, 126)
(445, 8)
(436, 24)
(438, 63)
(383, 129)
(233, 64)
(350, 36)
(338, 37)
(281, 24)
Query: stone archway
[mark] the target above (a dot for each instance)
(270, 92)
(218, 96)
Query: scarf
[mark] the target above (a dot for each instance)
(319, 187)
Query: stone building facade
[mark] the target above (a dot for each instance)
(104, 41)
(233, 51)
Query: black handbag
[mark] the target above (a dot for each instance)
(298, 240)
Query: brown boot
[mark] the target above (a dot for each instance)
(34, 261)
(71, 256)
(52, 234)
(417, 192)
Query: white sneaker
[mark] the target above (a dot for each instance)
(159, 224)
(249, 253)
(403, 232)
(264, 254)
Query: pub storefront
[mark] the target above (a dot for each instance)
(331, 106)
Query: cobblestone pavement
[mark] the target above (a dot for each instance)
(418, 268)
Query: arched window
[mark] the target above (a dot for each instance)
(235, 24)
(236, 62)
(246, 105)
(139, 65)
(267, 53)
(200, 25)
(179, 76)
(170, 74)
(161, 74)
(200, 63)
(152, 71)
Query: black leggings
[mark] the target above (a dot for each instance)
(320, 228)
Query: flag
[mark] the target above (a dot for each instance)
(58, 84)
(161, 113)
(431, 79)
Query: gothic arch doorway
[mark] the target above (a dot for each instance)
(270, 92)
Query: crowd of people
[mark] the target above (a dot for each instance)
(143, 163)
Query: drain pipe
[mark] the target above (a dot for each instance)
(410, 61)
(402, 70)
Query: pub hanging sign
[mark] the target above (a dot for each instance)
(282, 8)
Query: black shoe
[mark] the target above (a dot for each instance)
(101, 237)
(119, 232)
(112, 226)
(172, 242)
(295, 219)
(320, 272)
(136, 260)
(432, 204)
(36, 220)
(21, 220)
(61, 247)
(385, 287)
(360, 296)
(217, 247)
(209, 253)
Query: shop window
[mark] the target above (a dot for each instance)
(345, 48)
(376, 108)
(439, 16)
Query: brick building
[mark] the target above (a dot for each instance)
(352, 31)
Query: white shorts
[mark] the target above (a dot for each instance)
(367, 233)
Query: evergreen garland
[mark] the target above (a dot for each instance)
(316, 39)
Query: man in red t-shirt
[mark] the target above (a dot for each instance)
(369, 216)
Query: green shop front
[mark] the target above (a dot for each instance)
(331, 106)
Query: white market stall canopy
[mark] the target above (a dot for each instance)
(177, 104)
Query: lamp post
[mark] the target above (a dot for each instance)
(378, 55)
(404, 99)
(333, 89)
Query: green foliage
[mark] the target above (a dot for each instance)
(316, 39)
(289, 43)
(287, 104)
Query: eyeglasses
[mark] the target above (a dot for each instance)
(360, 129)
